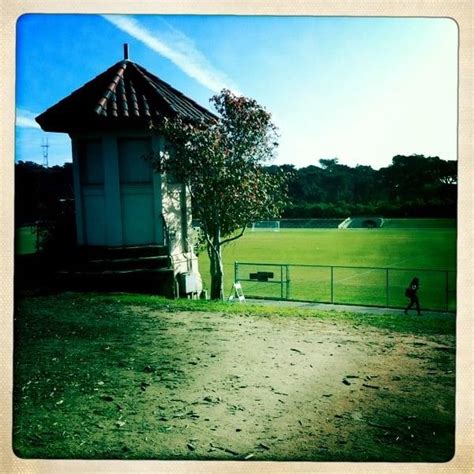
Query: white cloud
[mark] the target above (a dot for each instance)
(181, 51)
(26, 119)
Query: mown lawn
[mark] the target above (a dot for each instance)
(407, 247)
(25, 240)
(420, 250)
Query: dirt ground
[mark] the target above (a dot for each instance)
(247, 387)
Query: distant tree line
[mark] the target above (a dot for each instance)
(40, 192)
(411, 186)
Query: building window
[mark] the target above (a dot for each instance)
(91, 162)
(133, 167)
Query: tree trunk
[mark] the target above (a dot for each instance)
(217, 272)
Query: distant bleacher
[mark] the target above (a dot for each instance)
(310, 223)
(362, 222)
(332, 223)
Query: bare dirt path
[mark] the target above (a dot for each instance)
(100, 378)
(299, 388)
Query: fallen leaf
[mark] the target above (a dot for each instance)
(296, 350)
(370, 386)
(227, 450)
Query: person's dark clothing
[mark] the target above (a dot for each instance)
(412, 294)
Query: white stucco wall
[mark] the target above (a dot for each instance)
(116, 211)
(176, 204)
(120, 212)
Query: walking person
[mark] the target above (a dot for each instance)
(411, 292)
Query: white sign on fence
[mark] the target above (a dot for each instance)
(237, 292)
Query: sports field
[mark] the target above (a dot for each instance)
(25, 240)
(425, 248)
(407, 248)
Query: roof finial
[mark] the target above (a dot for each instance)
(125, 51)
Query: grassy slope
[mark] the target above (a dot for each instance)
(73, 351)
(434, 325)
(25, 240)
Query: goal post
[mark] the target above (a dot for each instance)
(269, 226)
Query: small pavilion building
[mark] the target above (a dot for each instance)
(123, 207)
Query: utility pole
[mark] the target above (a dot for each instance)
(45, 147)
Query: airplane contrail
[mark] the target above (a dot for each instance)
(181, 51)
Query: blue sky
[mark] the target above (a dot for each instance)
(358, 89)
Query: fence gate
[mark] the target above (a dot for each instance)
(273, 281)
(365, 286)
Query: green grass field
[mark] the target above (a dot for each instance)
(408, 247)
(25, 240)
(425, 249)
(420, 223)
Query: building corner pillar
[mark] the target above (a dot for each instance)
(76, 176)
(113, 205)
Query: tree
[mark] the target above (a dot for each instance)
(222, 165)
(410, 186)
(39, 189)
(418, 177)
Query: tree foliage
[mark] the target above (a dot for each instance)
(38, 190)
(411, 186)
(233, 187)
(222, 164)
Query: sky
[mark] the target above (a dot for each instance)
(361, 90)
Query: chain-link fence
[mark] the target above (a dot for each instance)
(367, 286)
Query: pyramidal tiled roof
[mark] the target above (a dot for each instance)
(127, 95)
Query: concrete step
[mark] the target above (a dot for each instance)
(136, 263)
(130, 271)
(142, 269)
(150, 281)
(100, 253)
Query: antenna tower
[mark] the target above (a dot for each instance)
(45, 147)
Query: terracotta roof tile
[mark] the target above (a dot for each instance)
(125, 94)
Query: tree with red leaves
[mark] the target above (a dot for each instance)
(222, 164)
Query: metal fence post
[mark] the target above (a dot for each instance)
(447, 291)
(332, 284)
(281, 281)
(305, 293)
